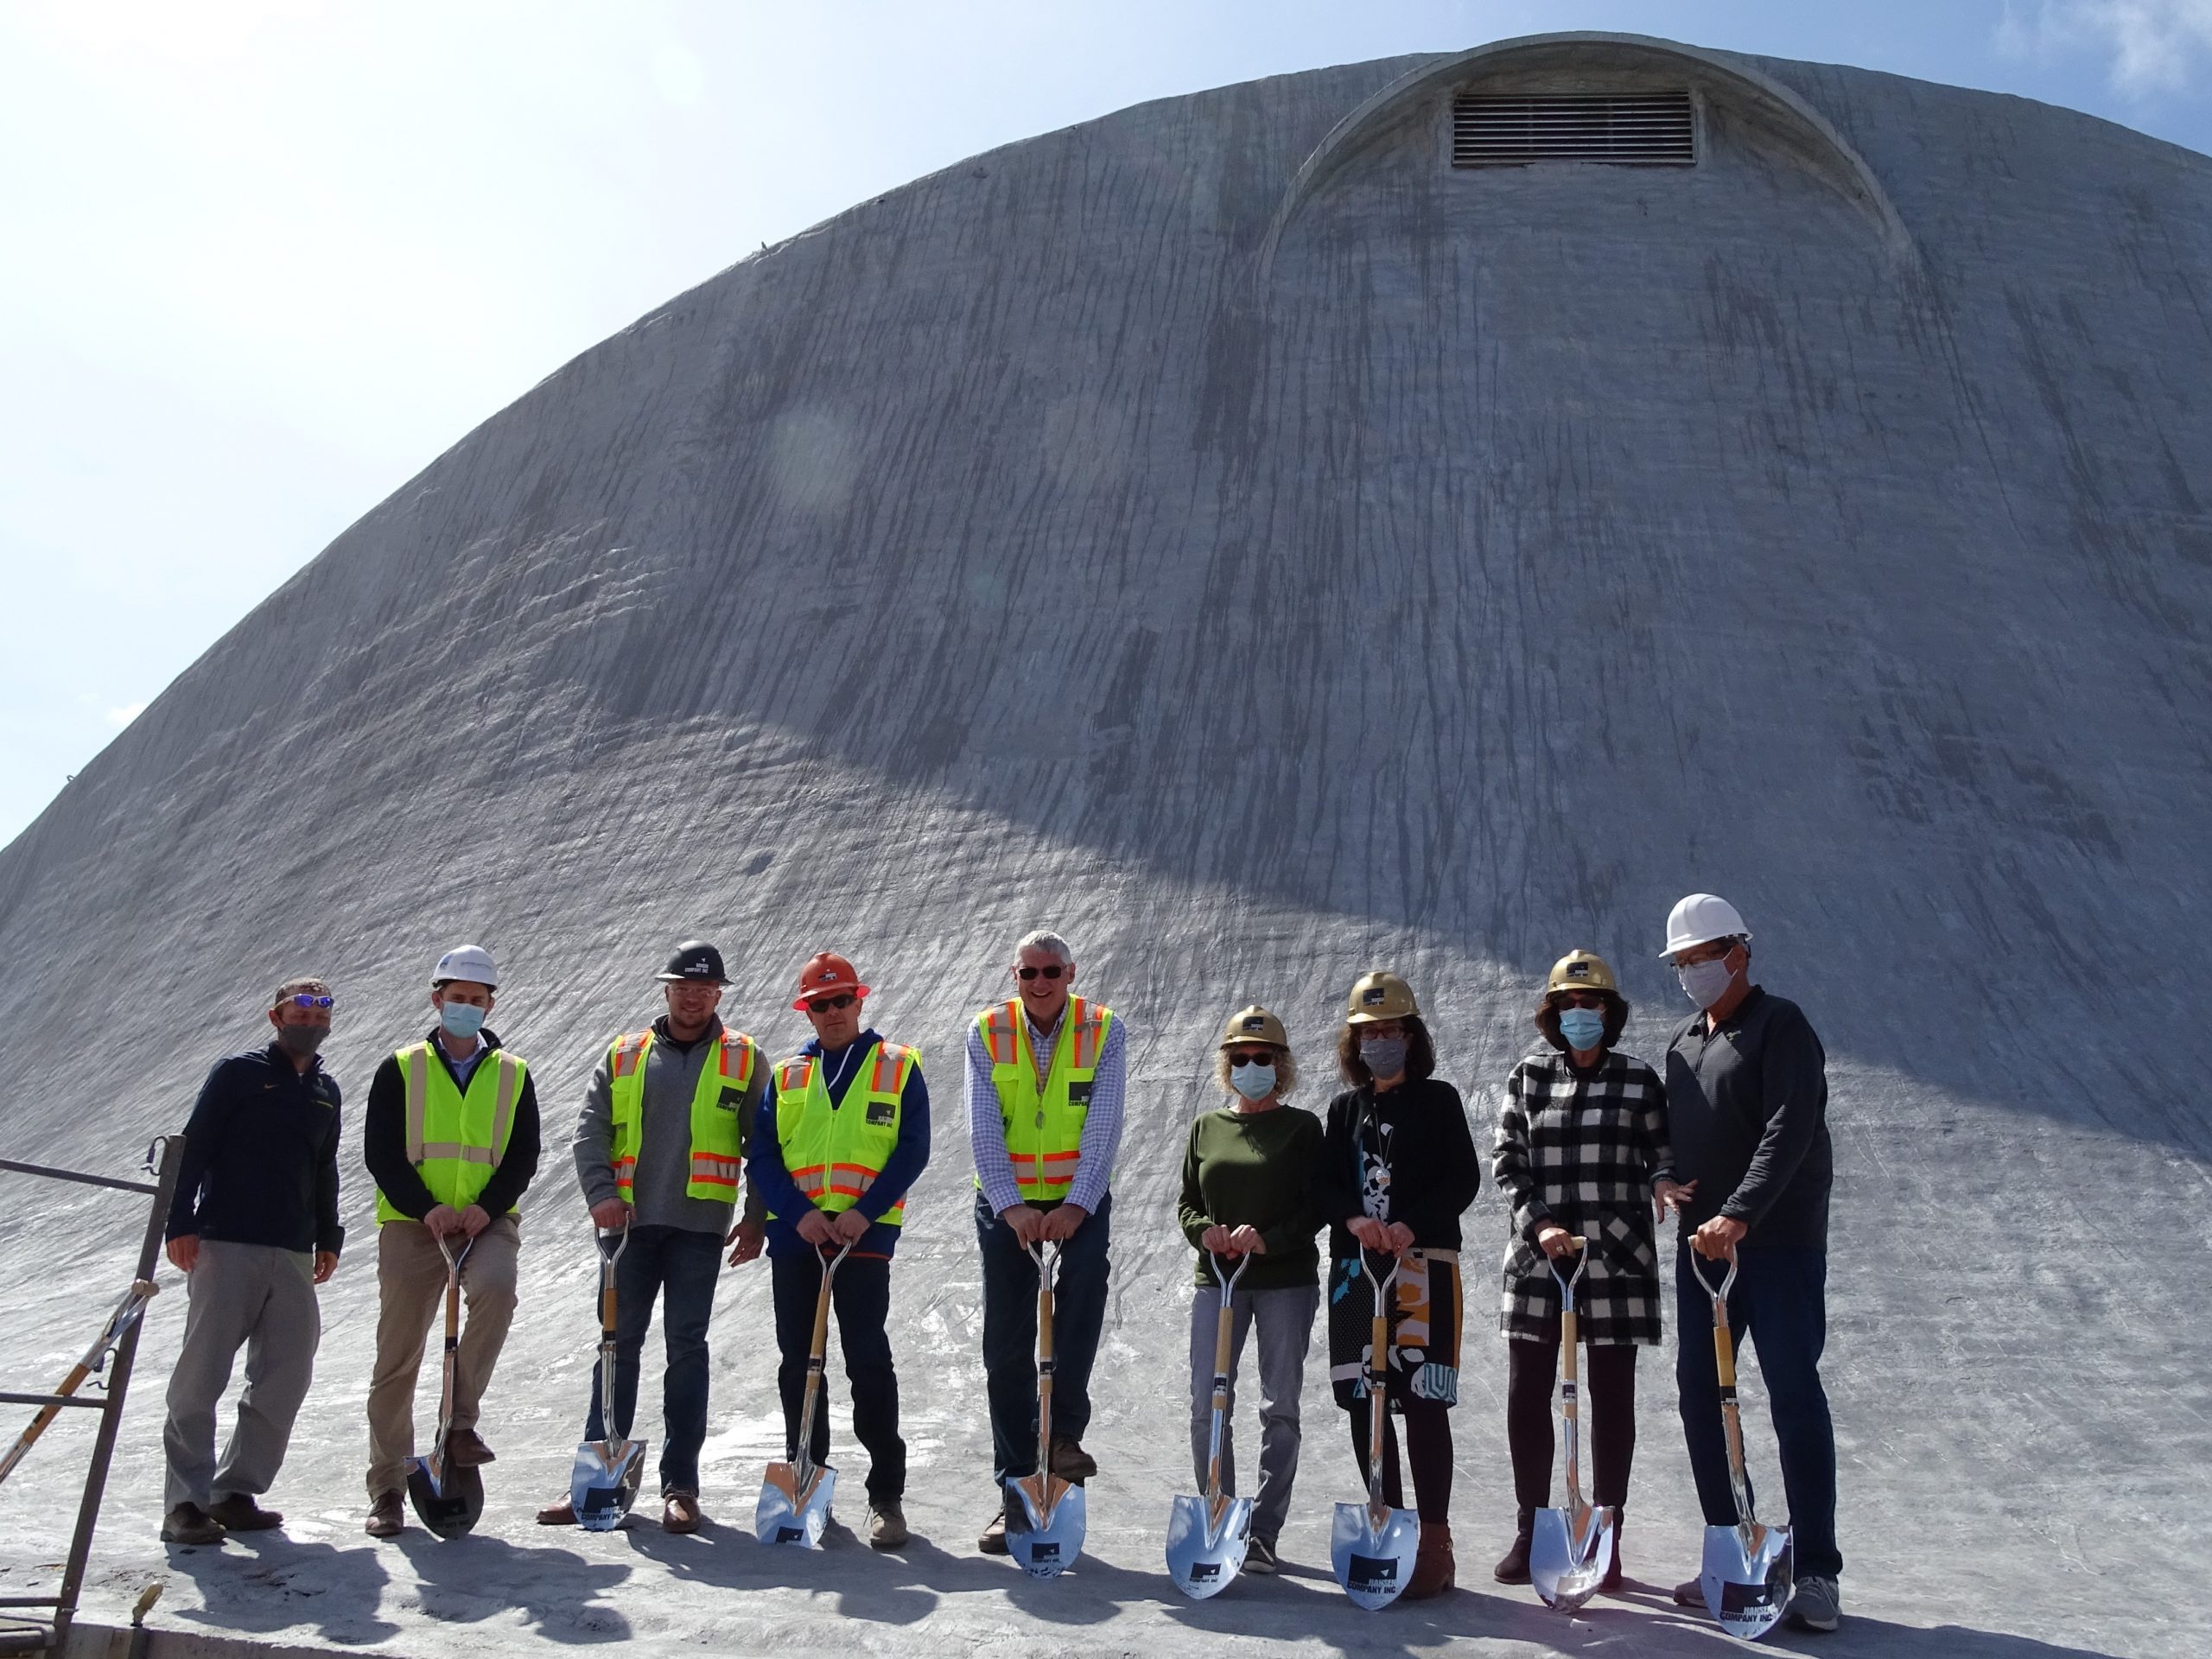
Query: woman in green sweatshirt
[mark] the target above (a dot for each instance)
(1248, 1180)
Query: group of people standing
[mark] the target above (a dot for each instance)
(682, 1117)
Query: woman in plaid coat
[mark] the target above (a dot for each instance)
(1581, 1152)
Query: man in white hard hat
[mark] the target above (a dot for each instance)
(451, 1138)
(1747, 1102)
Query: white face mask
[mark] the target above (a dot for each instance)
(1706, 982)
(1251, 1081)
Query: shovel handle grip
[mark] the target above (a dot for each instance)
(1224, 1336)
(1724, 1355)
(606, 1307)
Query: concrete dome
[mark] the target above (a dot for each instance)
(1236, 537)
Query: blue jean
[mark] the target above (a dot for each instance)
(1780, 1302)
(681, 1267)
(1010, 1333)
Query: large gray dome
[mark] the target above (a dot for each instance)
(1230, 533)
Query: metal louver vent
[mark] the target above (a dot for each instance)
(1631, 130)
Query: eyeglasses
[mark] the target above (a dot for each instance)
(1581, 999)
(1050, 970)
(302, 999)
(830, 1004)
(1254, 1057)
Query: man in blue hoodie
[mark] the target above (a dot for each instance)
(841, 1137)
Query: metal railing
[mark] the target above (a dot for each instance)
(116, 1349)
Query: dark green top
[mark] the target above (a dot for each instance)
(1256, 1169)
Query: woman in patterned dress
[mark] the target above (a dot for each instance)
(1581, 1152)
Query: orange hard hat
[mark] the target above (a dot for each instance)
(826, 974)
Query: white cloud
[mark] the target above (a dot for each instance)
(124, 715)
(2155, 46)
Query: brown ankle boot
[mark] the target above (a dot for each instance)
(1513, 1566)
(1433, 1569)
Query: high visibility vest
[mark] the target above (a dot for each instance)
(717, 1113)
(835, 1154)
(455, 1139)
(1043, 1126)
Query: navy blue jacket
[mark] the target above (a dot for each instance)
(260, 1162)
(910, 1154)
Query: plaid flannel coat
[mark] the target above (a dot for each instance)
(1583, 1152)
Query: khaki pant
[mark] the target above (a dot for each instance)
(262, 1299)
(411, 1289)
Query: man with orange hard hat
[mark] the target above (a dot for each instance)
(842, 1133)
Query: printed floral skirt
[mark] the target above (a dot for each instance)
(1424, 1313)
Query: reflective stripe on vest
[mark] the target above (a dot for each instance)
(835, 1154)
(718, 1127)
(471, 1129)
(1043, 1121)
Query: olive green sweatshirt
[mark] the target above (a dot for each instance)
(1257, 1169)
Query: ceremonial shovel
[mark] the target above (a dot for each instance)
(1371, 1545)
(1052, 1507)
(604, 1483)
(1571, 1548)
(448, 1499)
(794, 1496)
(1207, 1537)
(1746, 1575)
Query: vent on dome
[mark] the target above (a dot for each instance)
(1630, 129)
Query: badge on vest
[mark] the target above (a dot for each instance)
(1078, 1094)
(731, 1099)
(882, 1113)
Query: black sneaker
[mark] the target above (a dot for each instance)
(1818, 1605)
(1260, 1557)
(187, 1523)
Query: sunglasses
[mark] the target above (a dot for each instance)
(302, 999)
(1050, 970)
(1254, 1057)
(830, 1004)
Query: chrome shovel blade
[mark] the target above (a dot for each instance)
(1206, 1551)
(794, 1505)
(1053, 1538)
(1746, 1582)
(603, 1483)
(1374, 1564)
(1567, 1566)
(447, 1499)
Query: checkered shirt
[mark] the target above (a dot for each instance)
(1582, 1152)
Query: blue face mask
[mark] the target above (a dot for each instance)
(1583, 1028)
(1253, 1082)
(461, 1019)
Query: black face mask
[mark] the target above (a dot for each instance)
(301, 1041)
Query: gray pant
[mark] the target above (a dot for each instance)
(1286, 1321)
(260, 1298)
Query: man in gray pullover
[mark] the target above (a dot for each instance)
(659, 1149)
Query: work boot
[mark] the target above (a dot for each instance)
(466, 1450)
(993, 1543)
(560, 1513)
(387, 1517)
(1613, 1579)
(239, 1513)
(1070, 1462)
(887, 1524)
(1433, 1567)
(1513, 1566)
(187, 1523)
(680, 1512)
(1690, 1593)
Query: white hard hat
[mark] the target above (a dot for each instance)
(1700, 919)
(470, 962)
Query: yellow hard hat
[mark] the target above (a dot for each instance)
(1254, 1025)
(1581, 970)
(1379, 995)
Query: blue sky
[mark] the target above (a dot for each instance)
(266, 259)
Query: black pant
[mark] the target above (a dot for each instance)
(1428, 1450)
(860, 1294)
(1608, 1413)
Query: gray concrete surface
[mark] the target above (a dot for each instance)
(1499, 556)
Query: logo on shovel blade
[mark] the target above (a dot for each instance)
(1370, 1572)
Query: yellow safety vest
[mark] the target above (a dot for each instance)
(455, 1139)
(1043, 1126)
(836, 1153)
(717, 1113)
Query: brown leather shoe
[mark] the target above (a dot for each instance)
(562, 1513)
(467, 1450)
(239, 1513)
(187, 1523)
(387, 1517)
(992, 1541)
(679, 1512)
(1070, 1462)
(1432, 1566)
(1513, 1566)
